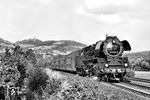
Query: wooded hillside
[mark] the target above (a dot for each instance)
(140, 60)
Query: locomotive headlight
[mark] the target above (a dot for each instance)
(120, 70)
(106, 65)
(114, 41)
(125, 64)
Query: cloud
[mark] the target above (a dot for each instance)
(43, 2)
(87, 21)
(92, 4)
(104, 17)
(113, 12)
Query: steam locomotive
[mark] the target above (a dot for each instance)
(103, 59)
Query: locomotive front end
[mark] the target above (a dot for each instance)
(104, 59)
(116, 69)
(116, 66)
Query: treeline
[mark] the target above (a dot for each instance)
(38, 42)
(140, 60)
(35, 42)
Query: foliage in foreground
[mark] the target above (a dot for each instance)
(88, 89)
(13, 63)
(84, 90)
(56, 86)
(41, 84)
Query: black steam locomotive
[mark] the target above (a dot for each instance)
(103, 59)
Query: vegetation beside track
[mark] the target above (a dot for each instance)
(62, 86)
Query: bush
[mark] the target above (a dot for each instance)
(43, 83)
(86, 91)
(36, 80)
(141, 64)
(55, 84)
(52, 88)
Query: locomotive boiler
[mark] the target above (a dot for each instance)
(103, 59)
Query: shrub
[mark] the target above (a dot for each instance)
(80, 91)
(52, 87)
(44, 83)
(36, 80)
(18, 59)
(55, 84)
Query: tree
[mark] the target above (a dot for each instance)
(18, 60)
(137, 64)
(145, 65)
(141, 64)
(30, 56)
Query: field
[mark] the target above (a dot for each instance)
(142, 74)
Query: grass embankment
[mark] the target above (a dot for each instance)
(73, 87)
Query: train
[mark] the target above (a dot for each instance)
(104, 59)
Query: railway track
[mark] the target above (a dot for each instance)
(140, 85)
(136, 85)
(131, 89)
(143, 83)
(139, 80)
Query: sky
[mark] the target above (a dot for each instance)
(86, 21)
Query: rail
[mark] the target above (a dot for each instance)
(131, 89)
(139, 79)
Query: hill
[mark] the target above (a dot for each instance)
(45, 49)
(5, 44)
(140, 60)
(30, 41)
(138, 55)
